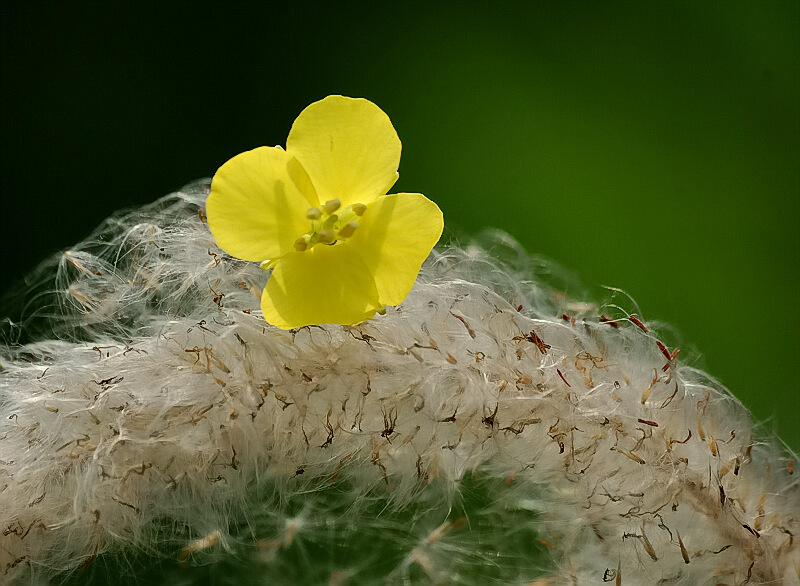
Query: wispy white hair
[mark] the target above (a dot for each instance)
(152, 409)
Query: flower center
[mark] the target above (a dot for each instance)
(330, 224)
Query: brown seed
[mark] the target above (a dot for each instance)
(635, 320)
(684, 553)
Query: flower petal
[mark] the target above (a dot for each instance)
(327, 284)
(258, 202)
(396, 235)
(349, 148)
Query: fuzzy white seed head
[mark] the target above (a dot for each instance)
(487, 430)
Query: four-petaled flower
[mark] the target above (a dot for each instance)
(317, 215)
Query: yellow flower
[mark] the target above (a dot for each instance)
(317, 214)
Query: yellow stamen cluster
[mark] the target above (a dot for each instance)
(328, 226)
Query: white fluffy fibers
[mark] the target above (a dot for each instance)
(153, 412)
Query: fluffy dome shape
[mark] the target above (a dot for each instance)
(489, 429)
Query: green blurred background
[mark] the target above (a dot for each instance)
(649, 146)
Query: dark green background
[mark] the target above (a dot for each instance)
(653, 147)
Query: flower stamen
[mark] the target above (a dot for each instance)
(301, 244)
(325, 237)
(328, 227)
(330, 222)
(331, 205)
(347, 230)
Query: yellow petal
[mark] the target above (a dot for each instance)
(258, 202)
(349, 148)
(396, 235)
(327, 284)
